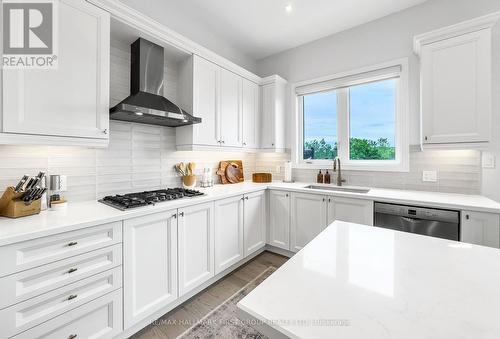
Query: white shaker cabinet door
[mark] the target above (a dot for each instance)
(230, 109)
(268, 117)
(72, 100)
(358, 211)
(195, 246)
(279, 219)
(308, 219)
(456, 89)
(480, 228)
(149, 264)
(228, 232)
(206, 78)
(250, 113)
(254, 222)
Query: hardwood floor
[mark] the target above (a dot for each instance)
(183, 317)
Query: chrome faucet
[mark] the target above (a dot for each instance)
(339, 172)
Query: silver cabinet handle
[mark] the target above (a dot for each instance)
(71, 270)
(223, 142)
(73, 296)
(244, 144)
(467, 217)
(72, 336)
(323, 199)
(174, 216)
(425, 138)
(246, 198)
(286, 195)
(181, 214)
(105, 131)
(73, 243)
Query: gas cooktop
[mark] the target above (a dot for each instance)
(132, 200)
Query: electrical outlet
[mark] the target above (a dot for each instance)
(488, 160)
(430, 176)
(63, 183)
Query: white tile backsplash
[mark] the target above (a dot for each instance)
(457, 171)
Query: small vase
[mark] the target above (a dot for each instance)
(189, 181)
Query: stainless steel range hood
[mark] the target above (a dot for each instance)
(146, 103)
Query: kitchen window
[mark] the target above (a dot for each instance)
(359, 116)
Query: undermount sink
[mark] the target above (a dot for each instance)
(339, 188)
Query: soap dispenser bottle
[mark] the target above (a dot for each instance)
(319, 178)
(327, 178)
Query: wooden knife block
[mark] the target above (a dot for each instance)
(12, 206)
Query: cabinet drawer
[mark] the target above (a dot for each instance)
(30, 283)
(99, 319)
(35, 311)
(28, 254)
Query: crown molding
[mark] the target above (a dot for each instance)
(473, 25)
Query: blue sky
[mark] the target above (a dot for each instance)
(371, 107)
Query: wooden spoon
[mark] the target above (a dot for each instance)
(191, 168)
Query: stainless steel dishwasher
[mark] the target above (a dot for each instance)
(433, 222)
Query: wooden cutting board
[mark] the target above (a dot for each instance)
(232, 175)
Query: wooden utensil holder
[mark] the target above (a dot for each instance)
(12, 206)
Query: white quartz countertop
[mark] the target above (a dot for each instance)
(90, 213)
(357, 281)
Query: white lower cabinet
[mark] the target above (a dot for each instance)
(195, 246)
(35, 311)
(99, 319)
(150, 264)
(358, 211)
(254, 222)
(228, 232)
(308, 218)
(480, 228)
(279, 219)
(302, 216)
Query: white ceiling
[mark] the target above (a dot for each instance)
(259, 28)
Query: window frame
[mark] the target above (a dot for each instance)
(341, 83)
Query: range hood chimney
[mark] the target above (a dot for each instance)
(146, 103)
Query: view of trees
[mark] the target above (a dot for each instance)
(360, 149)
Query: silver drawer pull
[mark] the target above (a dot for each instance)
(72, 336)
(71, 270)
(73, 296)
(73, 243)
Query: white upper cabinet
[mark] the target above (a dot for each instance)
(455, 66)
(205, 102)
(69, 104)
(226, 103)
(273, 113)
(230, 109)
(250, 113)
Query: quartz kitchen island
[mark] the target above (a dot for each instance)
(357, 281)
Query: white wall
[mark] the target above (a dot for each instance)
(386, 39)
(172, 14)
